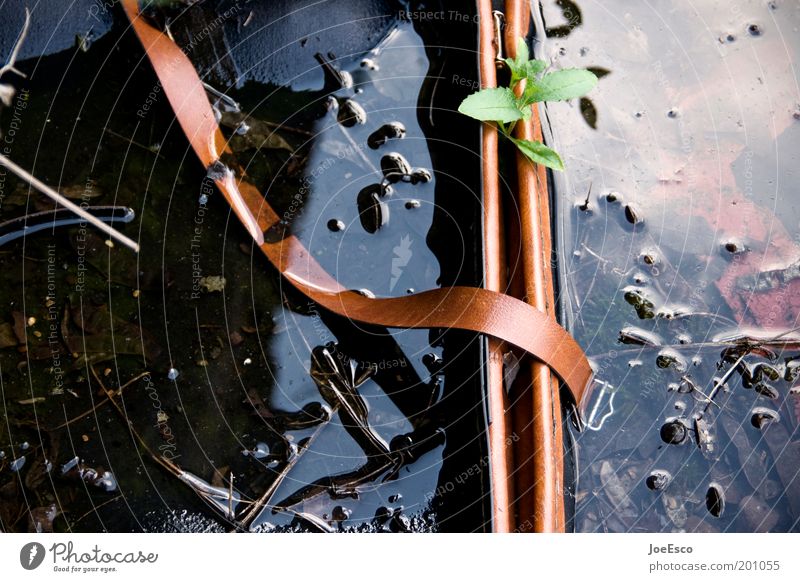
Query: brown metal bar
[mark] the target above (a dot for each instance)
(543, 508)
(494, 280)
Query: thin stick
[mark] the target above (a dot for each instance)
(45, 189)
(101, 403)
(95, 508)
(136, 143)
(721, 381)
(262, 502)
(163, 461)
(12, 60)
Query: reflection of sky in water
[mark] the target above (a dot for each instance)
(697, 137)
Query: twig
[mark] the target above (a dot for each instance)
(66, 203)
(95, 508)
(12, 60)
(101, 403)
(721, 381)
(136, 143)
(166, 463)
(263, 501)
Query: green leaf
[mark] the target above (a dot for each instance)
(533, 68)
(522, 51)
(560, 86)
(496, 104)
(539, 153)
(516, 72)
(519, 66)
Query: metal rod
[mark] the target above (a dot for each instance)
(66, 203)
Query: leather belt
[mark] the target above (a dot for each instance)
(480, 310)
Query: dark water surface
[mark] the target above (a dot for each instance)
(678, 224)
(237, 380)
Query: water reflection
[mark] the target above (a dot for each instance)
(679, 270)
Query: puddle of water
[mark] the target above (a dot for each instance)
(209, 348)
(678, 233)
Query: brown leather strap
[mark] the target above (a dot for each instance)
(479, 310)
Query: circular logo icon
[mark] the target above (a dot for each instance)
(31, 555)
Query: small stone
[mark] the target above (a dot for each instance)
(658, 480)
(715, 500)
(632, 215)
(674, 432)
(172, 374)
(335, 225)
(763, 416)
(340, 513)
(213, 283)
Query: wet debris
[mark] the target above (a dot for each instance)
(675, 509)
(639, 298)
(715, 500)
(395, 167)
(734, 247)
(393, 130)
(372, 211)
(633, 216)
(212, 283)
(669, 358)
(340, 514)
(705, 436)
(338, 378)
(336, 225)
(658, 480)
(75, 469)
(674, 432)
(762, 417)
(223, 500)
(17, 464)
(616, 489)
(260, 451)
(40, 519)
(758, 514)
(335, 78)
(351, 113)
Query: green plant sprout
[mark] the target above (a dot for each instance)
(503, 107)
